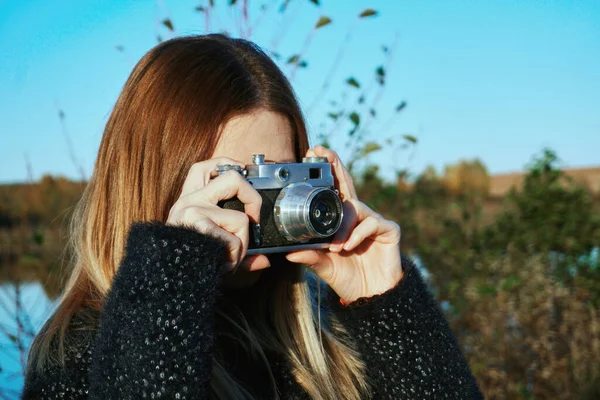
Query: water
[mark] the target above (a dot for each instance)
(16, 334)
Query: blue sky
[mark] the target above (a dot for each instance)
(495, 80)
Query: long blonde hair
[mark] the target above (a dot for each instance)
(167, 117)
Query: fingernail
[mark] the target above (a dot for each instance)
(252, 269)
(348, 245)
(335, 247)
(291, 258)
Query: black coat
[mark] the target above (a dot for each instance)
(155, 335)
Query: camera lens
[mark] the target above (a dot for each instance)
(323, 212)
(303, 211)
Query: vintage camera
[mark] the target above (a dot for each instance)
(301, 208)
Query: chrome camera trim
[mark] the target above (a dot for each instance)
(263, 175)
(292, 211)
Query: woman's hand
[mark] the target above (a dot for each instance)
(197, 208)
(364, 258)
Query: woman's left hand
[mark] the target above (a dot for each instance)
(364, 258)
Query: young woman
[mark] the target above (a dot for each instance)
(163, 301)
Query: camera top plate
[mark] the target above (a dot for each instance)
(315, 171)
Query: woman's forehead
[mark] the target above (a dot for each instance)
(261, 132)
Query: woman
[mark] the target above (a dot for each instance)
(163, 301)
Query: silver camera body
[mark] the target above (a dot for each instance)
(301, 208)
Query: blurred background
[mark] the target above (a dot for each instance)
(474, 125)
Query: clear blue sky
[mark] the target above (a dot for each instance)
(497, 80)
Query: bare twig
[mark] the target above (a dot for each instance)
(387, 64)
(167, 16)
(19, 310)
(286, 23)
(207, 15)
(69, 141)
(29, 167)
(261, 16)
(302, 52)
(334, 66)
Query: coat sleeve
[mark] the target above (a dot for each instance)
(406, 343)
(70, 379)
(155, 335)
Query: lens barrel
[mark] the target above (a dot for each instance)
(303, 212)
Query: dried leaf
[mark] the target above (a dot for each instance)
(294, 59)
(370, 148)
(200, 9)
(322, 22)
(167, 22)
(410, 138)
(355, 118)
(353, 82)
(316, 2)
(367, 13)
(400, 106)
(380, 75)
(283, 6)
(232, 2)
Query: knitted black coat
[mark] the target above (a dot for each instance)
(155, 335)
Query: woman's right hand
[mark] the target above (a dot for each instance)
(197, 208)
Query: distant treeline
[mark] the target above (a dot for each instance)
(37, 203)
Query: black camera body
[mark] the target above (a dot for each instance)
(301, 209)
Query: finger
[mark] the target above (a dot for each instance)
(232, 221)
(206, 226)
(314, 259)
(255, 262)
(224, 187)
(349, 221)
(310, 153)
(200, 173)
(354, 212)
(344, 180)
(378, 229)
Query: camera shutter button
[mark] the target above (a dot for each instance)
(258, 159)
(314, 159)
(221, 169)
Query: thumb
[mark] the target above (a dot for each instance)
(318, 261)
